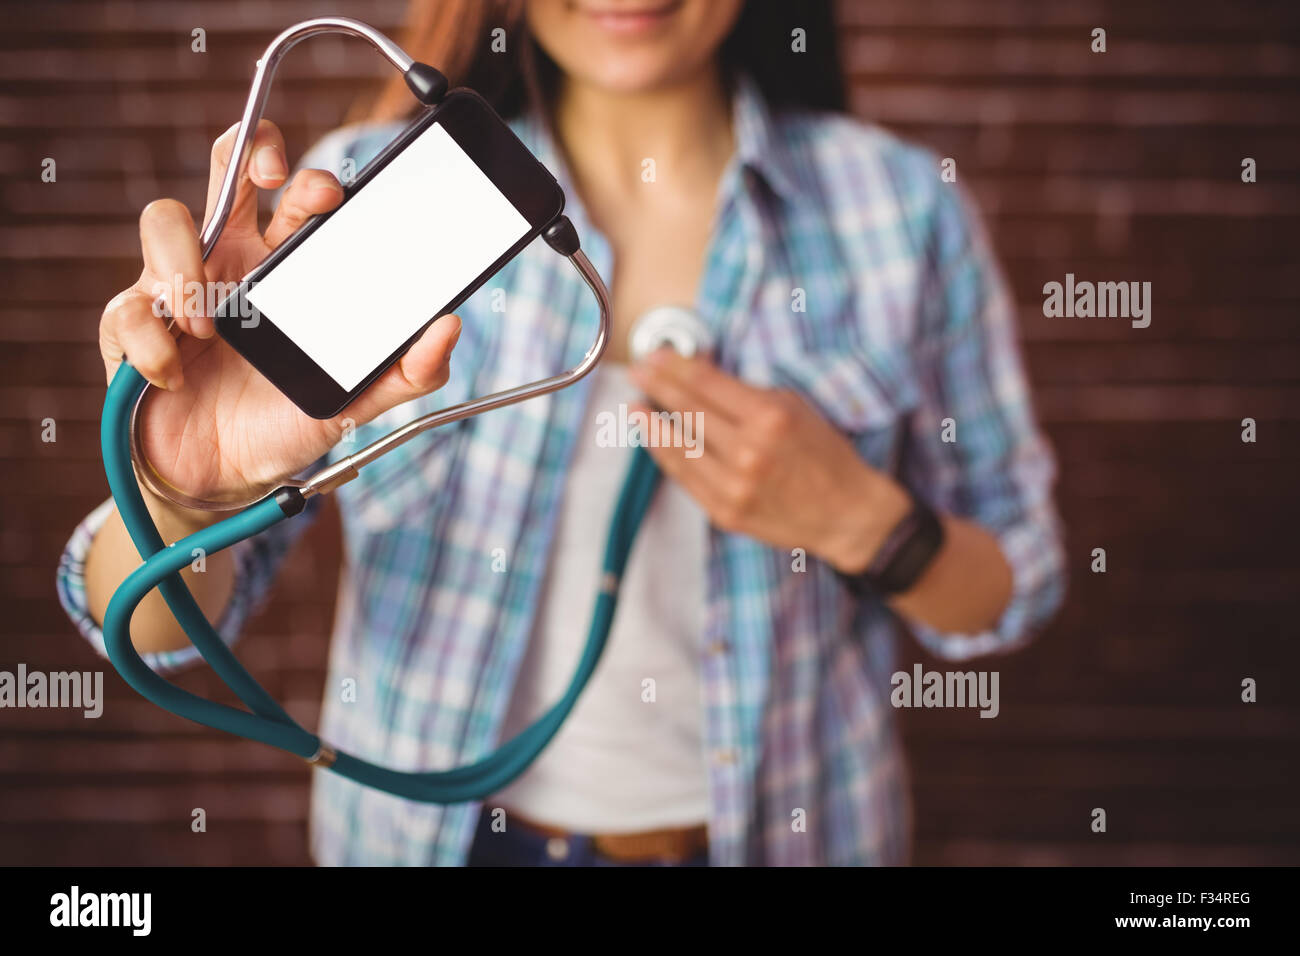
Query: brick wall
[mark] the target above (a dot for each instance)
(1123, 165)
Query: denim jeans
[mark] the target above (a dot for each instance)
(517, 846)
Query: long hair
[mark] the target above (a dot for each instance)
(486, 45)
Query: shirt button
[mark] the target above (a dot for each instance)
(557, 848)
(724, 757)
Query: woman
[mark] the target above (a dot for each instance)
(864, 376)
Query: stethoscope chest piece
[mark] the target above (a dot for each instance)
(676, 326)
(264, 720)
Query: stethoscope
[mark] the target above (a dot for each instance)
(265, 720)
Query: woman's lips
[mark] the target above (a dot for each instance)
(630, 20)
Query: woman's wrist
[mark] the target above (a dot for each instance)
(874, 506)
(175, 521)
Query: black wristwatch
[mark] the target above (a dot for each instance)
(903, 557)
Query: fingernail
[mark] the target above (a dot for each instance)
(174, 382)
(201, 327)
(269, 163)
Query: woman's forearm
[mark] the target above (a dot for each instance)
(966, 587)
(113, 556)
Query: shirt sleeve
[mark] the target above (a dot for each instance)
(257, 561)
(991, 464)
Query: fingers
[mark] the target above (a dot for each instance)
(131, 329)
(267, 169)
(694, 383)
(173, 266)
(705, 477)
(134, 323)
(672, 395)
(313, 191)
(423, 369)
(752, 433)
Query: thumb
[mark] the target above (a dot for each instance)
(423, 369)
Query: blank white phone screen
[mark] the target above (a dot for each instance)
(390, 258)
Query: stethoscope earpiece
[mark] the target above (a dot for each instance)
(676, 326)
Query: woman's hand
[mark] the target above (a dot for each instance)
(773, 469)
(770, 467)
(220, 429)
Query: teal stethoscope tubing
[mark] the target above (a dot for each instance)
(266, 721)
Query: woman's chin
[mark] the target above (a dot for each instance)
(632, 76)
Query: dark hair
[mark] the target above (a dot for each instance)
(457, 37)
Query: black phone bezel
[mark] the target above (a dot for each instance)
(502, 157)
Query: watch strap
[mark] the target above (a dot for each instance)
(902, 558)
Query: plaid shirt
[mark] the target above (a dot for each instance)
(841, 266)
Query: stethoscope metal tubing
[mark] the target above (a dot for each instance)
(265, 720)
(257, 103)
(341, 472)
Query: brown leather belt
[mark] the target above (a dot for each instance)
(672, 845)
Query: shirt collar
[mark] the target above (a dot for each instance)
(759, 148)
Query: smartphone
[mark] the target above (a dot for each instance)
(448, 203)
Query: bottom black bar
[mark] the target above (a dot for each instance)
(217, 906)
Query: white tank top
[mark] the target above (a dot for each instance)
(631, 755)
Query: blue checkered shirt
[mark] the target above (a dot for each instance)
(840, 265)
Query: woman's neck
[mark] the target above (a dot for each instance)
(685, 129)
